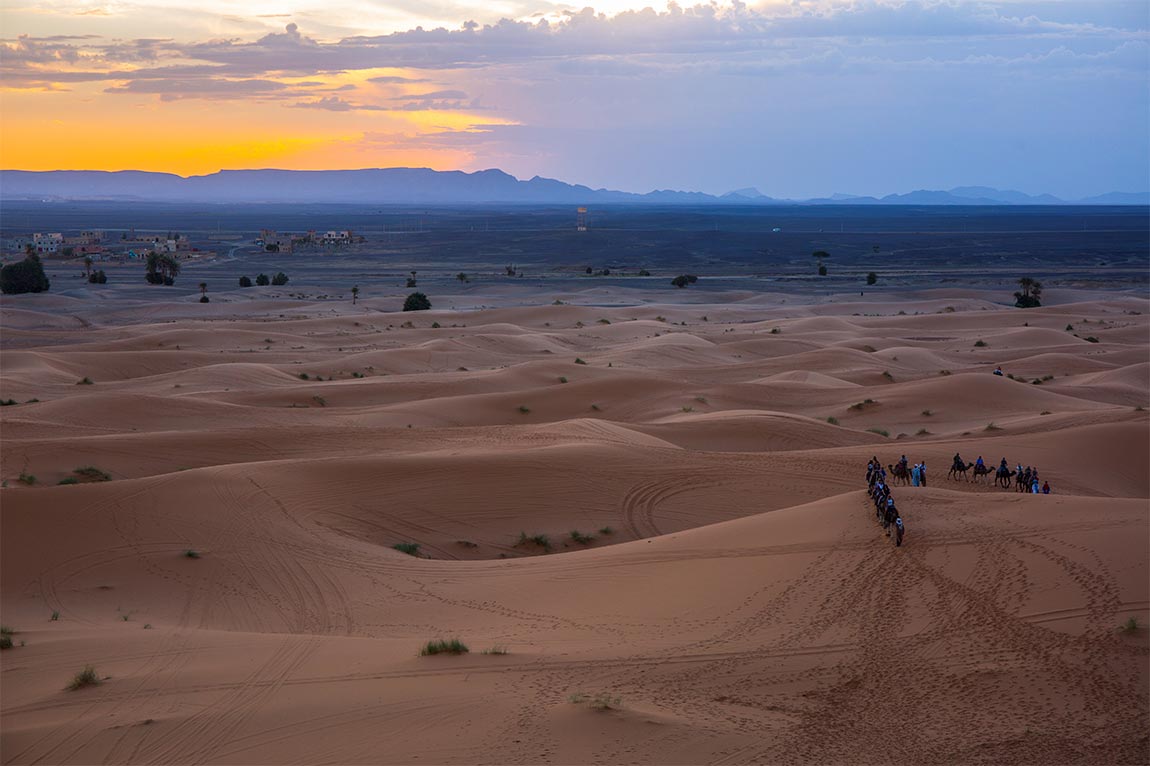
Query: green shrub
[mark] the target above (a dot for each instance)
(416, 302)
(886, 374)
(280, 279)
(944, 372)
(7, 402)
(245, 281)
(542, 541)
(980, 343)
(86, 677)
(93, 473)
(922, 432)
(927, 413)
(775, 331)
(411, 549)
(992, 427)
(579, 361)
(524, 409)
(441, 646)
(26, 276)
(833, 420)
(26, 478)
(1130, 626)
(84, 381)
(871, 278)
(562, 379)
(262, 280)
(496, 650)
(1090, 339)
(596, 407)
(5, 641)
(879, 431)
(69, 480)
(191, 553)
(55, 617)
(1069, 328)
(606, 531)
(581, 538)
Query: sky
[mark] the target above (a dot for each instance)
(797, 98)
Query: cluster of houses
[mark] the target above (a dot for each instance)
(273, 241)
(96, 243)
(132, 245)
(86, 243)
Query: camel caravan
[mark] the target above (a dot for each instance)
(1023, 479)
(885, 509)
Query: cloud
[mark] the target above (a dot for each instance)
(438, 101)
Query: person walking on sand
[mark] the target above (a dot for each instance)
(914, 474)
(922, 472)
(1046, 488)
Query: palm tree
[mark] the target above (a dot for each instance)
(171, 265)
(87, 265)
(461, 277)
(154, 267)
(203, 288)
(354, 294)
(1029, 294)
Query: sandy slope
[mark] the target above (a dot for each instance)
(735, 596)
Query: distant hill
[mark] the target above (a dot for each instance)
(425, 186)
(1118, 198)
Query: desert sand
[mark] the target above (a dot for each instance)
(728, 597)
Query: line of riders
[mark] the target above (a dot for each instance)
(1025, 479)
(884, 508)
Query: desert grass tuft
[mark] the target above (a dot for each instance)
(86, 677)
(603, 701)
(93, 473)
(443, 646)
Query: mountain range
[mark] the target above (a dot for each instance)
(425, 186)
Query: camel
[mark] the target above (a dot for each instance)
(900, 473)
(959, 468)
(982, 470)
(1003, 477)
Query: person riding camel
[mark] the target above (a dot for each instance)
(899, 530)
(978, 463)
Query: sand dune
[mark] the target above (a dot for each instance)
(672, 528)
